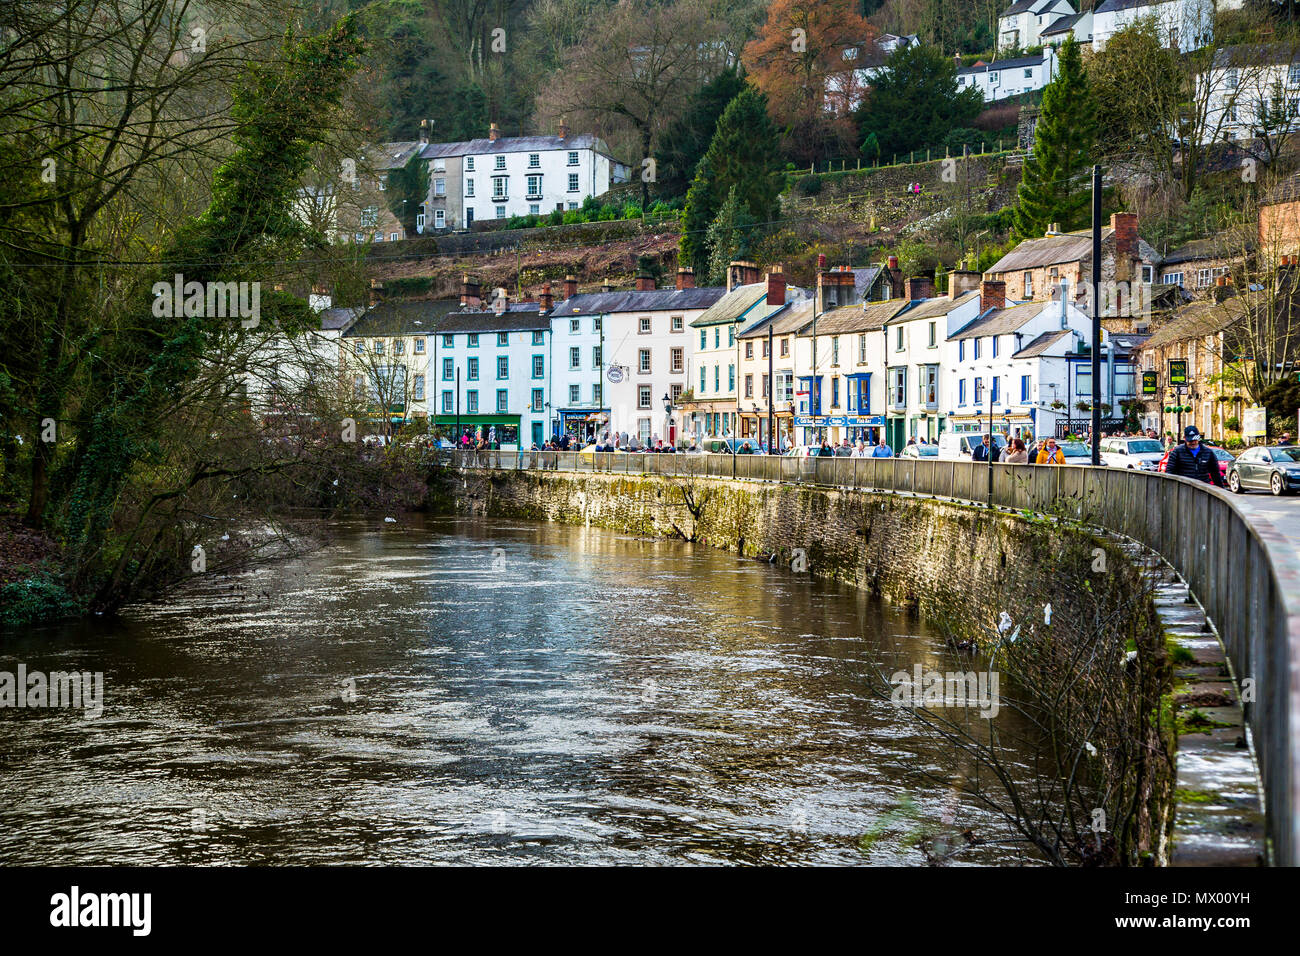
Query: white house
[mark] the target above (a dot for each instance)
(493, 370)
(1077, 25)
(1004, 78)
(617, 354)
(1250, 89)
(1020, 26)
(862, 64)
(1185, 24)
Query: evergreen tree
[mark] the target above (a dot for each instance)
(686, 140)
(408, 187)
(1053, 187)
(729, 237)
(915, 101)
(744, 154)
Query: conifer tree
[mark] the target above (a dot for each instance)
(1054, 185)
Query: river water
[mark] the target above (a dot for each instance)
(456, 691)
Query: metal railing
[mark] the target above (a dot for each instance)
(1249, 588)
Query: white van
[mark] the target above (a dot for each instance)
(955, 446)
(1136, 453)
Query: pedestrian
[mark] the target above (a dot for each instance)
(826, 451)
(987, 450)
(1049, 454)
(1017, 454)
(1191, 459)
(882, 450)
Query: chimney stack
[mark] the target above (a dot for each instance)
(469, 292)
(424, 132)
(961, 281)
(895, 276)
(376, 292)
(645, 282)
(741, 272)
(606, 286)
(563, 131)
(685, 278)
(570, 286)
(920, 287)
(547, 301)
(776, 286)
(1125, 225)
(494, 133)
(821, 262)
(993, 294)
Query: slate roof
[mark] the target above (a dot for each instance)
(1215, 247)
(1049, 250)
(332, 320)
(1288, 190)
(415, 317)
(518, 317)
(1111, 6)
(733, 305)
(1041, 344)
(1197, 320)
(1020, 61)
(936, 307)
(857, 318)
(657, 300)
(1002, 321)
(792, 318)
(1063, 25)
(1020, 6)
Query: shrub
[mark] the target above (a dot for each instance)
(810, 185)
(38, 598)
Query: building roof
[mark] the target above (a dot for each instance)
(1113, 6)
(514, 144)
(935, 308)
(792, 318)
(1020, 61)
(1256, 55)
(1002, 321)
(1041, 344)
(414, 317)
(392, 155)
(518, 317)
(1019, 7)
(1214, 247)
(866, 317)
(1197, 320)
(1128, 341)
(733, 305)
(1049, 250)
(1288, 190)
(656, 300)
(1064, 24)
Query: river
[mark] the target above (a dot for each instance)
(453, 691)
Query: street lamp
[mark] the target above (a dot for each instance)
(758, 420)
(668, 418)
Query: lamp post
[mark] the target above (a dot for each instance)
(758, 423)
(993, 445)
(668, 418)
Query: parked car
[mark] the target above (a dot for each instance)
(919, 451)
(957, 445)
(1274, 468)
(1143, 454)
(588, 454)
(802, 451)
(1076, 452)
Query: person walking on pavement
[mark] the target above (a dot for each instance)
(1050, 454)
(1191, 459)
(987, 451)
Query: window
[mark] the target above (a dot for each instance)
(835, 391)
(574, 357)
(994, 342)
(471, 401)
(595, 356)
(785, 348)
(471, 372)
(399, 346)
(1026, 386)
(678, 324)
(534, 160)
(785, 387)
(1029, 285)
(717, 378)
(439, 219)
(676, 360)
(704, 341)
(702, 380)
(534, 186)
(595, 324)
(419, 346)
(469, 164)
(731, 378)
(500, 212)
(446, 401)
(979, 391)
(731, 336)
(961, 350)
(573, 157)
(1172, 278)
(503, 399)
(573, 182)
(448, 341)
(596, 392)
(539, 366)
(1083, 380)
(898, 387)
(448, 369)
(500, 162)
(764, 386)
(930, 385)
(862, 350)
(835, 350)
(997, 380)
(1125, 381)
(539, 337)
(643, 325)
(440, 187)
(1293, 76)
(643, 396)
(377, 346)
(767, 348)
(573, 205)
(538, 400)
(394, 236)
(369, 216)
(503, 338)
(500, 187)
(503, 366)
(533, 209)
(717, 337)
(575, 394)
(469, 188)
(675, 392)
(472, 340)
(749, 349)
(1029, 74)
(961, 392)
(749, 386)
(1230, 79)
(975, 343)
(643, 361)
(934, 341)
(1203, 278)
(898, 339)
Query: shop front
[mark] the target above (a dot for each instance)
(504, 428)
(584, 425)
(837, 428)
(1017, 425)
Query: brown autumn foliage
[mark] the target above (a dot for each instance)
(800, 50)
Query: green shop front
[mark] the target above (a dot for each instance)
(480, 426)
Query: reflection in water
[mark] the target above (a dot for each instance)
(480, 692)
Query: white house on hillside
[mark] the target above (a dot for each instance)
(1020, 26)
(1185, 24)
(1252, 89)
(1004, 78)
